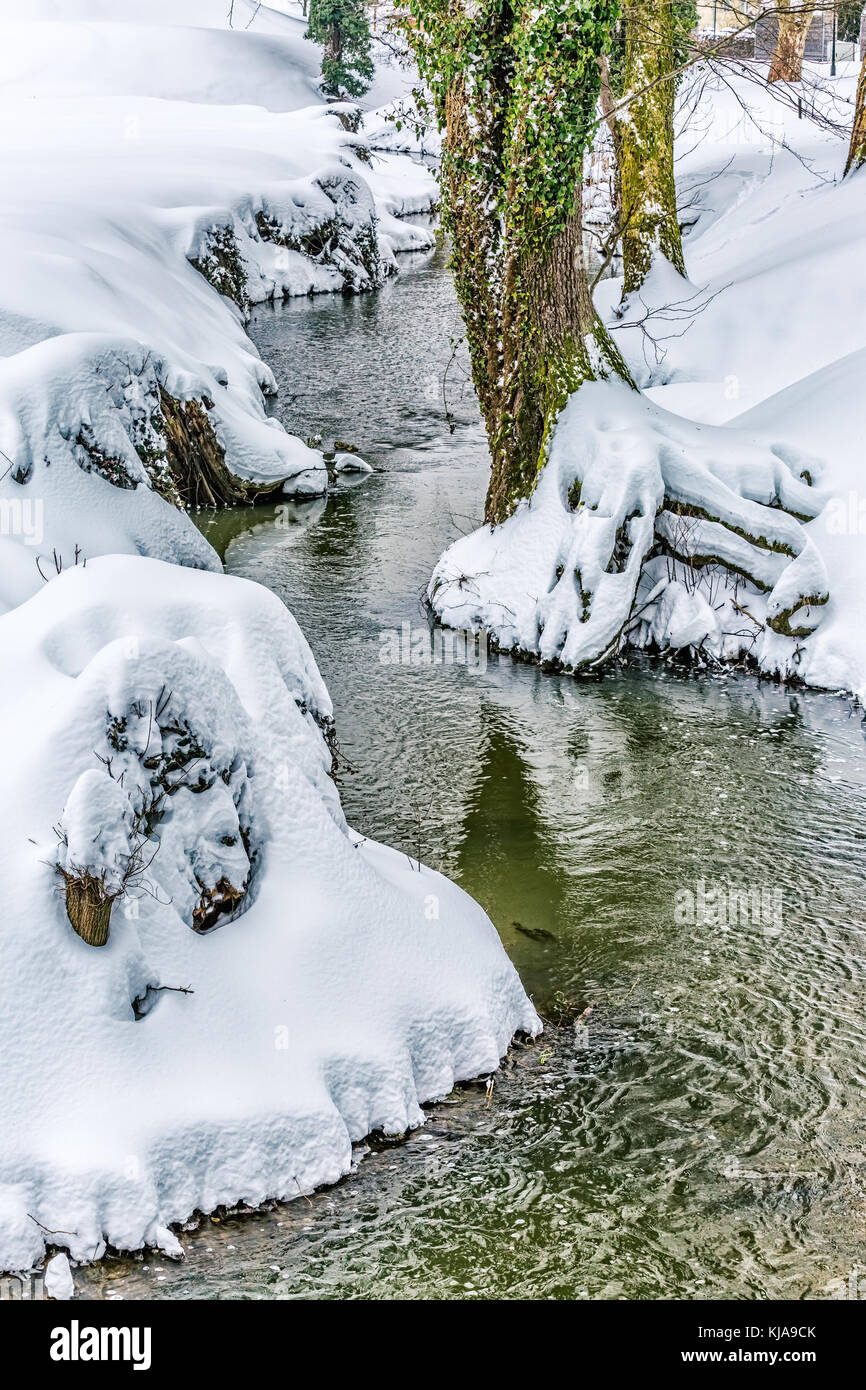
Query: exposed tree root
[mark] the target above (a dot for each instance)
(635, 502)
(197, 459)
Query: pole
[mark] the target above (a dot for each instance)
(833, 59)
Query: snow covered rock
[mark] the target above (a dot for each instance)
(345, 462)
(220, 1046)
(59, 1283)
(731, 524)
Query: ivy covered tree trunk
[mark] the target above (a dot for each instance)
(794, 19)
(515, 88)
(596, 496)
(857, 148)
(552, 341)
(646, 141)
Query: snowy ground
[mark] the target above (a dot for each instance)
(273, 987)
(753, 370)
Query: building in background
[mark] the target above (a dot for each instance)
(721, 17)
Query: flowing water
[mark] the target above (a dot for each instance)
(675, 864)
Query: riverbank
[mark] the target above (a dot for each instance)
(162, 179)
(719, 513)
(214, 986)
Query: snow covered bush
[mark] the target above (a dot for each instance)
(167, 788)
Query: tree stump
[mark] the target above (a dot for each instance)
(88, 907)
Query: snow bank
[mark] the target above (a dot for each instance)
(556, 579)
(640, 490)
(162, 176)
(186, 708)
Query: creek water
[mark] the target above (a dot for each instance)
(675, 863)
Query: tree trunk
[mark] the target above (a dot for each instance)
(857, 148)
(554, 341)
(88, 907)
(794, 22)
(607, 102)
(334, 46)
(531, 325)
(646, 144)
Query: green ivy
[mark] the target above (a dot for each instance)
(530, 73)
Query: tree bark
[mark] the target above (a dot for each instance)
(532, 329)
(857, 148)
(794, 20)
(554, 342)
(646, 144)
(334, 46)
(88, 907)
(607, 102)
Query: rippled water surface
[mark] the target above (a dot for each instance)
(700, 1131)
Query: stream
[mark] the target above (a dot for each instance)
(675, 863)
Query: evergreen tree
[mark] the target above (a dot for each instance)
(341, 27)
(849, 14)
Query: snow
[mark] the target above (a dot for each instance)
(135, 147)
(355, 986)
(273, 986)
(752, 373)
(527, 578)
(351, 463)
(59, 1283)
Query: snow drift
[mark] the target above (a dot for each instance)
(343, 986)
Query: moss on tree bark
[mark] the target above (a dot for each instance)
(515, 89)
(645, 144)
(553, 342)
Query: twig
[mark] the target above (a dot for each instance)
(49, 1230)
